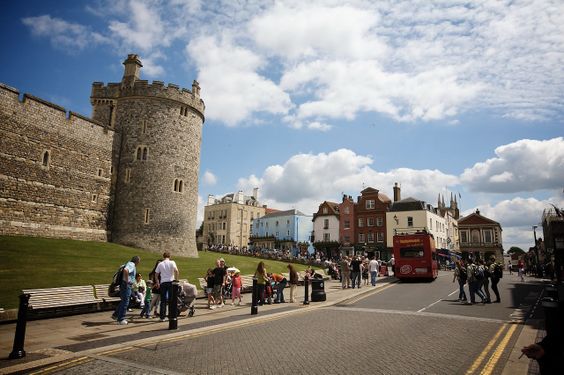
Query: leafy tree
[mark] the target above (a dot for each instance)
(515, 250)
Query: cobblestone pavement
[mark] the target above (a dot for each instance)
(332, 341)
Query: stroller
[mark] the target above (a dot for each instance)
(186, 296)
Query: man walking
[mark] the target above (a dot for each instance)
(373, 268)
(127, 280)
(345, 273)
(168, 272)
(355, 271)
(496, 273)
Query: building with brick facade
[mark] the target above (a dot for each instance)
(128, 175)
(370, 212)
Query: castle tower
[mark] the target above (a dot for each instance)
(156, 161)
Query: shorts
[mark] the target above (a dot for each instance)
(217, 291)
(209, 291)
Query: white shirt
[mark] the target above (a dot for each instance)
(373, 265)
(166, 270)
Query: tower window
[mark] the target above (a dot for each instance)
(100, 172)
(94, 198)
(145, 152)
(147, 215)
(138, 153)
(178, 185)
(46, 159)
(144, 126)
(127, 175)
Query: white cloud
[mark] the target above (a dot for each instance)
(305, 180)
(525, 165)
(209, 178)
(233, 88)
(62, 34)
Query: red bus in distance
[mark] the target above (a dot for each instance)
(415, 255)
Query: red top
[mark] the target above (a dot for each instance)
(236, 281)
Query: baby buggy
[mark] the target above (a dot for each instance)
(186, 296)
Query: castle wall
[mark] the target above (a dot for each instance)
(69, 196)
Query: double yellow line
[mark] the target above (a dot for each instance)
(507, 330)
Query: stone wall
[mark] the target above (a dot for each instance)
(65, 194)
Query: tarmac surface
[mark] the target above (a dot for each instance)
(93, 343)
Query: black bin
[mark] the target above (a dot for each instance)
(317, 290)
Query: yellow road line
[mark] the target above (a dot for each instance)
(61, 366)
(490, 365)
(478, 362)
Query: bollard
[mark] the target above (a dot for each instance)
(173, 306)
(19, 338)
(254, 302)
(306, 288)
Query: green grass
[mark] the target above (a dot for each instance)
(31, 262)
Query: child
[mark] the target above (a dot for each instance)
(146, 312)
(138, 290)
(236, 285)
(209, 288)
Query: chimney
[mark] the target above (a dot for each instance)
(132, 69)
(211, 199)
(397, 192)
(255, 193)
(240, 197)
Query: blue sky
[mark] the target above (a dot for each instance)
(308, 100)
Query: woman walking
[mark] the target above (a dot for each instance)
(262, 279)
(460, 275)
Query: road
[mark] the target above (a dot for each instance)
(400, 328)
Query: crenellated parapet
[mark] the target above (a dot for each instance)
(105, 94)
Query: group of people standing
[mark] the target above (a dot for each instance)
(266, 282)
(217, 281)
(354, 269)
(156, 290)
(478, 275)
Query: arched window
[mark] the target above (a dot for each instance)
(176, 185)
(138, 153)
(180, 186)
(145, 151)
(46, 158)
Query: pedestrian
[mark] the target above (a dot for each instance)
(460, 275)
(521, 270)
(373, 267)
(138, 290)
(209, 288)
(219, 280)
(355, 272)
(167, 272)
(280, 283)
(294, 277)
(496, 273)
(473, 283)
(127, 280)
(365, 273)
(146, 310)
(509, 267)
(262, 279)
(155, 293)
(485, 269)
(345, 272)
(236, 285)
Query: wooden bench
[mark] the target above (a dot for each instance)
(54, 301)
(101, 292)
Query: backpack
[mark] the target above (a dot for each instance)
(479, 273)
(498, 271)
(471, 273)
(487, 273)
(113, 289)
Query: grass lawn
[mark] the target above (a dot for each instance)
(31, 262)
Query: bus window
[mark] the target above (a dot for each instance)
(411, 252)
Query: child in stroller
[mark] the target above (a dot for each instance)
(186, 296)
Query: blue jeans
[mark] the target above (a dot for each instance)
(373, 277)
(166, 293)
(461, 293)
(146, 309)
(474, 287)
(355, 276)
(280, 295)
(125, 295)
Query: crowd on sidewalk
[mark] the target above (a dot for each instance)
(479, 275)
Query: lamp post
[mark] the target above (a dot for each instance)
(536, 250)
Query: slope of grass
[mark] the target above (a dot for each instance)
(31, 262)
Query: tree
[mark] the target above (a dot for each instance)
(515, 250)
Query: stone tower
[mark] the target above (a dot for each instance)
(155, 161)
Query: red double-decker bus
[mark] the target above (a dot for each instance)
(415, 255)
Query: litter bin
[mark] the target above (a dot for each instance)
(317, 290)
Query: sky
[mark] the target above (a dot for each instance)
(309, 100)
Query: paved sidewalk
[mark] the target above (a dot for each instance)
(62, 339)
